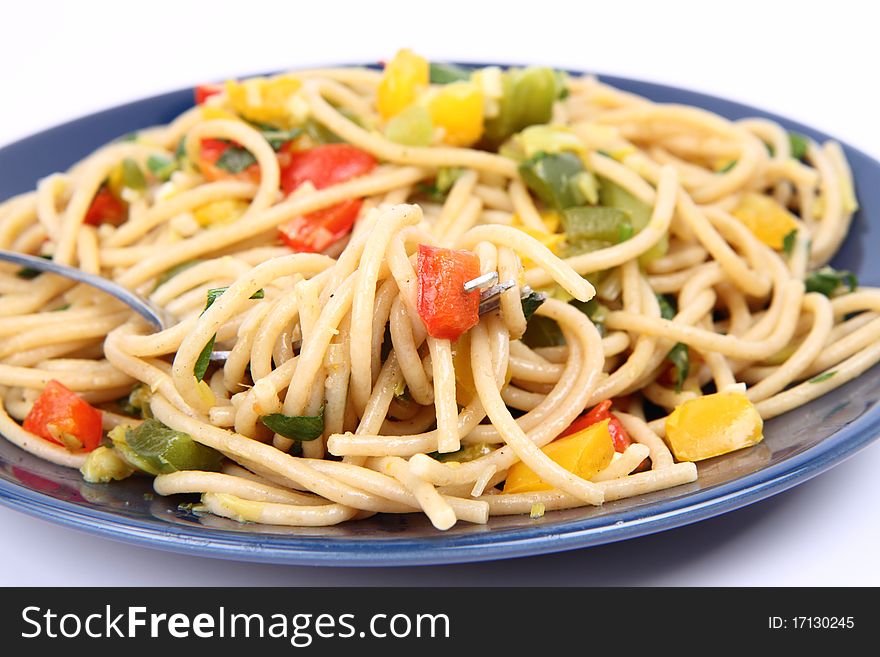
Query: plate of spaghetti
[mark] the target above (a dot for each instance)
(430, 313)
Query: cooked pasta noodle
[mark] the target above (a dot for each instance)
(335, 332)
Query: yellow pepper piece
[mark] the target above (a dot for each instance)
(220, 212)
(584, 453)
(465, 388)
(404, 78)
(209, 113)
(265, 100)
(713, 425)
(766, 218)
(458, 109)
(549, 237)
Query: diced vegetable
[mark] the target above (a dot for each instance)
(318, 230)
(405, 76)
(457, 108)
(105, 465)
(600, 412)
(127, 174)
(553, 178)
(158, 449)
(137, 404)
(266, 100)
(440, 73)
(597, 223)
(788, 242)
(29, 273)
(467, 453)
(161, 167)
(446, 177)
(411, 127)
(679, 355)
(542, 139)
(614, 196)
(594, 310)
(204, 359)
(296, 427)
(220, 159)
(798, 145)
(527, 99)
(713, 425)
(325, 165)
(204, 91)
(219, 213)
(61, 417)
(769, 221)
(819, 378)
(585, 453)
(828, 280)
(542, 332)
(531, 303)
(445, 308)
(106, 208)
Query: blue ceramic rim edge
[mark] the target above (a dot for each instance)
(505, 543)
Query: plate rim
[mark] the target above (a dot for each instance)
(503, 543)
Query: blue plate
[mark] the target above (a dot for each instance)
(798, 445)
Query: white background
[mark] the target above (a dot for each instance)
(814, 62)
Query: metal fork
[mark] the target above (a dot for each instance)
(490, 297)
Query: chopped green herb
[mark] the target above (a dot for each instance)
(827, 280)
(823, 377)
(441, 73)
(788, 242)
(161, 167)
(320, 134)
(204, 359)
(277, 138)
(531, 303)
(667, 306)
(180, 151)
(130, 136)
(235, 159)
(798, 145)
(216, 292)
(727, 167)
(679, 355)
(296, 427)
(61, 308)
(29, 273)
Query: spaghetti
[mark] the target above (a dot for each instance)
(681, 259)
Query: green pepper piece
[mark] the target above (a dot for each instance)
(411, 127)
(527, 99)
(158, 449)
(440, 73)
(132, 176)
(161, 167)
(296, 427)
(553, 178)
(597, 223)
(542, 332)
(613, 195)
